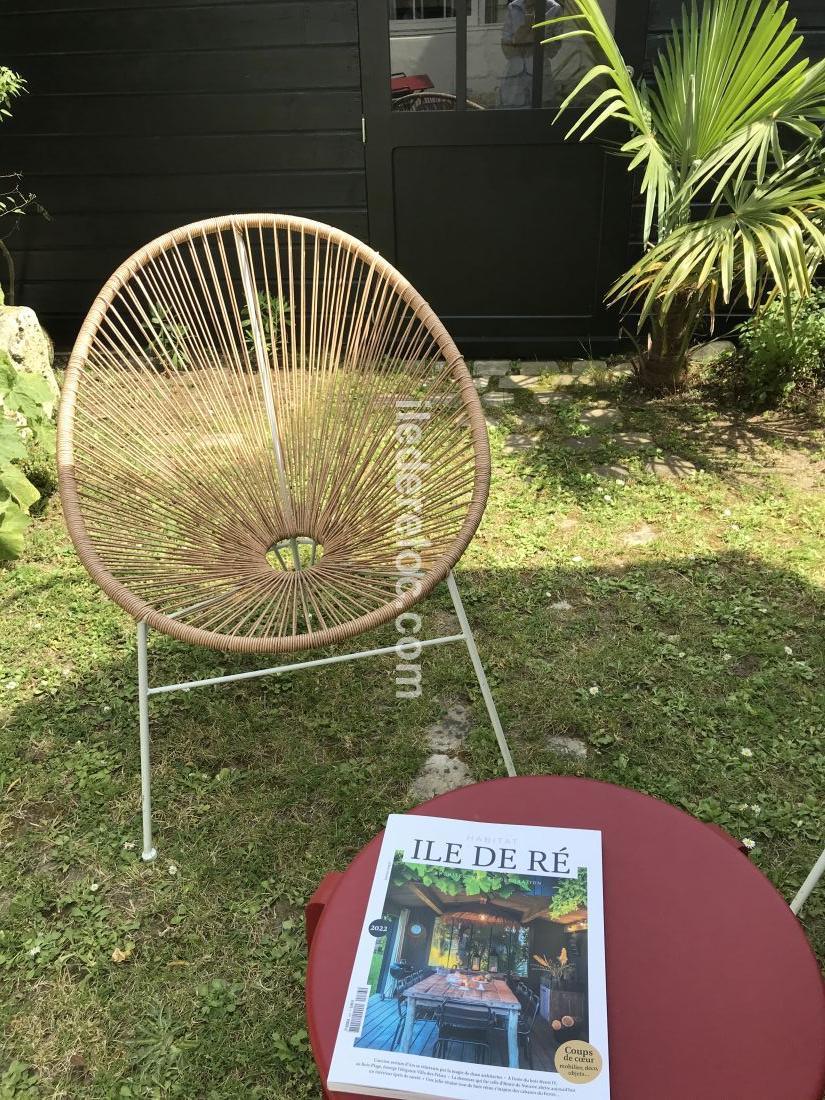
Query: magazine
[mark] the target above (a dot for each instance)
(480, 967)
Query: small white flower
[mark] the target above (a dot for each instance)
(128, 845)
(34, 950)
(577, 557)
(746, 840)
(763, 611)
(594, 690)
(172, 869)
(789, 651)
(619, 481)
(756, 809)
(734, 527)
(680, 655)
(11, 685)
(94, 887)
(746, 752)
(727, 657)
(107, 710)
(608, 498)
(727, 512)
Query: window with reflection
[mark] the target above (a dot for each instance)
(507, 64)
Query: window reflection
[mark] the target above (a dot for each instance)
(507, 66)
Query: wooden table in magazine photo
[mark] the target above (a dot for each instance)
(497, 996)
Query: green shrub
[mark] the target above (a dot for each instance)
(776, 363)
(270, 308)
(26, 436)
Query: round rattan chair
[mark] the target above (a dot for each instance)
(268, 443)
(431, 101)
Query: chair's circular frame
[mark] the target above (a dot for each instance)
(142, 611)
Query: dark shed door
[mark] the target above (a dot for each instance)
(510, 232)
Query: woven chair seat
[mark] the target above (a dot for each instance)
(267, 440)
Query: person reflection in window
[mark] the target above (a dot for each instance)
(517, 41)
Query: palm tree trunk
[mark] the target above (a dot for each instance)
(663, 365)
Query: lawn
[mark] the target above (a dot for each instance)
(685, 648)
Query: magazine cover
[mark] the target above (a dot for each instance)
(480, 967)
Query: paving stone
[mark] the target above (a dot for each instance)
(535, 370)
(449, 733)
(491, 368)
(553, 397)
(642, 536)
(440, 773)
(516, 443)
(633, 441)
(583, 442)
(561, 605)
(613, 473)
(567, 523)
(512, 382)
(568, 746)
(497, 398)
(711, 352)
(481, 384)
(621, 370)
(600, 417)
(671, 468)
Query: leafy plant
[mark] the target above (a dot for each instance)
(25, 414)
(775, 363)
(275, 318)
(459, 880)
(13, 199)
(732, 120)
(570, 895)
(167, 338)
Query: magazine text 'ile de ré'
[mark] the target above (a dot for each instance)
(480, 967)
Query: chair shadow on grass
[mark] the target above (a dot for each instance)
(262, 787)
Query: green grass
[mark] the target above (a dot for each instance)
(262, 788)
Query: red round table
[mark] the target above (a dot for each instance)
(713, 992)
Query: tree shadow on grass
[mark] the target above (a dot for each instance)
(264, 786)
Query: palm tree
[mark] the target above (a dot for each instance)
(727, 143)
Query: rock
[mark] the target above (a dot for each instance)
(568, 746)
(441, 773)
(27, 344)
(600, 417)
(497, 398)
(671, 468)
(516, 443)
(583, 443)
(561, 605)
(711, 352)
(633, 441)
(621, 370)
(481, 384)
(642, 536)
(613, 473)
(491, 368)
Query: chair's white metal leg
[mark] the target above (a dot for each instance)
(149, 852)
(805, 890)
(480, 675)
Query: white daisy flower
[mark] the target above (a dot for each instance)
(749, 844)
(746, 752)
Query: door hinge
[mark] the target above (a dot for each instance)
(363, 130)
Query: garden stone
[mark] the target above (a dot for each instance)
(515, 443)
(481, 384)
(536, 370)
(711, 352)
(553, 397)
(600, 417)
(568, 746)
(497, 398)
(515, 382)
(449, 733)
(491, 368)
(621, 370)
(671, 468)
(441, 773)
(643, 536)
(27, 344)
(633, 441)
(613, 473)
(583, 443)
(561, 605)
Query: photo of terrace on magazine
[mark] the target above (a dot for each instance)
(477, 967)
(518, 941)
